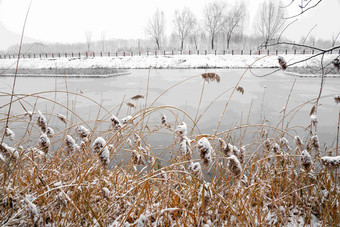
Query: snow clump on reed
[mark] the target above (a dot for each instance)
(205, 150)
(44, 143)
(41, 121)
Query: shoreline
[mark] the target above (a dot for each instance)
(113, 66)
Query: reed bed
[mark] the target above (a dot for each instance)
(65, 170)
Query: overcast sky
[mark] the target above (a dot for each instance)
(68, 20)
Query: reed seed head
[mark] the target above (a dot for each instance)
(211, 77)
(82, 131)
(331, 162)
(337, 99)
(282, 63)
(44, 143)
(136, 97)
(41, 121)
(182, 129)
(205, 150)
(70, 143)
(9, 133)
(240, 89)
(62, 118)
(49, 132)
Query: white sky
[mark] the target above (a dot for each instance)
(68, 20)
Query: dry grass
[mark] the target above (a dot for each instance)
(63, 178)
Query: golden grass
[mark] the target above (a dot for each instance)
(51, 180)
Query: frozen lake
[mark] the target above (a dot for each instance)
(110, 92)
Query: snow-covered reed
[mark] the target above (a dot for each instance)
(117, 176)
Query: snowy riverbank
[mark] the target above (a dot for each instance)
(167, 61)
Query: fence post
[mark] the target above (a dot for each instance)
(205, 52)
(101, 54)
(215, 52)
(156, 53)
(65, 55)
(295, 51)
(59, 55)
(250, 52)
(29, 56)
(181, 52)
(267, 52)
(313, 51)
(147, 53)
(259, 52)
(0, 56)
(124, 53)
(116, 54)
(108, 53)
(304, 52)
(52, 55)
(172, 52)
(79, 54)
(276, 52)
(223, 52)
(286, 52)
(232, 52)
(139, 53)
(198, 52)
(164, 52)
(189, 52)
(86, 54)
(241, 52)
(93, 55)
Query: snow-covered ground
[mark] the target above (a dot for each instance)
(168, 61)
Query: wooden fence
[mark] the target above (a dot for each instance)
(158, 53)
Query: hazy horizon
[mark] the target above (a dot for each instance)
(67, 21)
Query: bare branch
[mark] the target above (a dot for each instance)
(303, 60)
(278, 39)
(304, 9)
(309, 34)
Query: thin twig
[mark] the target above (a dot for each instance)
(16, 71)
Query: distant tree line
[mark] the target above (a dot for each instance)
(221, 28)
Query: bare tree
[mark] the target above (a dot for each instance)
(102, 41)
(214, 19)
(335, 38)
(195, 36)
(269, 21)
(234, 20)
(88, 36)
(156, 27)
(184, 22)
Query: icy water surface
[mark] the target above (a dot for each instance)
(110, 92)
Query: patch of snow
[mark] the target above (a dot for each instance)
(160, 61)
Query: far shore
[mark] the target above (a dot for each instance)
(114, 66)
